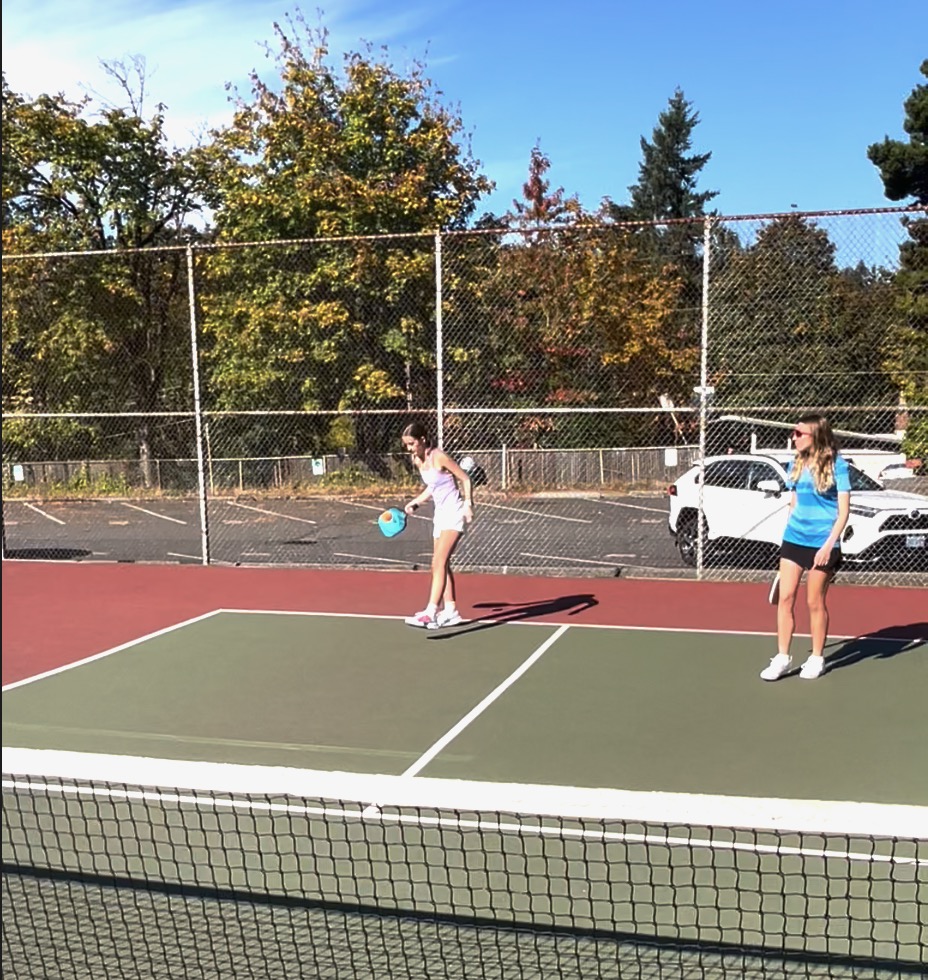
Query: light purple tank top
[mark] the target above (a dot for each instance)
(445, 493)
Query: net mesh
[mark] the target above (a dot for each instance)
(308, 874)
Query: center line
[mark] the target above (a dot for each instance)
(453, 733)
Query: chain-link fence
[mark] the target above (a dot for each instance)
(244, 403)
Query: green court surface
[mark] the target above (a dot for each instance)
(621, 708)
(292, 795)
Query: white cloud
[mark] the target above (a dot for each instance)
(191, 49)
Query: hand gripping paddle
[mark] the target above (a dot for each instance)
(391, 522)
(773, 596)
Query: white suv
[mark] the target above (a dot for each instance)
(745, 505)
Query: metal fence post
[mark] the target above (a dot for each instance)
(439, 345)
(197, 412)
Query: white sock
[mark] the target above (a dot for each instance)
(450, 607)
(431, 609)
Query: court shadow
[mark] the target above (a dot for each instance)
(500, 613)
(881, 645)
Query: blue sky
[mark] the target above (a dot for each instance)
(789, 94)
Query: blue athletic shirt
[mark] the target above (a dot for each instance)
(815, 513)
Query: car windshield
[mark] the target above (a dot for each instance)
(860, 480)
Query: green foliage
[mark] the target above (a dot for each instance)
(904, 170)
(787, 325)
(90, 332)
(351, 477)
(904, 166)
(334, 325)
(569, 314)
(341, 435)
(669, 172)
(915, 443)
(48, 439)
(81, 484)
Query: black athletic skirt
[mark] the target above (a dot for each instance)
(805, 557)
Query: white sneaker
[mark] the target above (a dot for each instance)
(446, 618)
(812, 668)
(777, 667)
(422, 619)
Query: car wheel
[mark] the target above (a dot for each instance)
(688, 539)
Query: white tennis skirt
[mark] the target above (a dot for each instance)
(448, 520)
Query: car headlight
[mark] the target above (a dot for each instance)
(862, 511)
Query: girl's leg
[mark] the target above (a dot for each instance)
(790, 575)
(448, 596)
(442, 579)
(816, 591)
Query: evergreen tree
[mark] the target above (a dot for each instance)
(669, 171)
(904, 166)
(904, 171)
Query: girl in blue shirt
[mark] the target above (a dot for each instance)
(818, 511)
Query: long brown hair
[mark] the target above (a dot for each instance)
(820, 456)
(416, 430)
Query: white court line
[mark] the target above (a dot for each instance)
(619, 503)
(272, 513)
(535, 513)
(42, 512)
(395, 561)
(106, 653)
(152, 513)
(584, 561)
(178, 554)
(832, 637)
(453, 733)
(621, 556)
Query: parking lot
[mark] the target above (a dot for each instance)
(577, 533)
(553, 533)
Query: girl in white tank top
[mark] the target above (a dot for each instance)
(451, 492)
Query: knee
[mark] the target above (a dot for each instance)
(816, 605)
(787, 599)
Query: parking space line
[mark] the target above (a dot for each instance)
(42, 512)
(619, 503)
(582, 561)
(535, 513)
(393, 561)
(380, 507)
(163, 517)
(272, 513)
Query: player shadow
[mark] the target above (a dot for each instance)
(880, 645)
(514, 612)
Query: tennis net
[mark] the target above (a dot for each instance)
(117, 866)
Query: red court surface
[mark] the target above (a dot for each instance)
(56, 613)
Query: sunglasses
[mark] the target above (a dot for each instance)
(798, 433)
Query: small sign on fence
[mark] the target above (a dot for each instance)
(670, 456)
(319, 467)
(19, 474)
